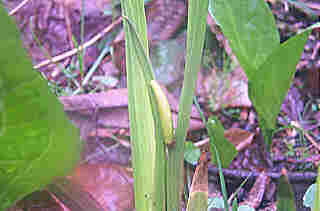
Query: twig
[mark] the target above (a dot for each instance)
(202, 142)
(24, 2)
(81, 47)
(294, 177)
(313, 142)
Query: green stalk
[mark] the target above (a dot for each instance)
(147, 147)
(197, 14)
(147, 134)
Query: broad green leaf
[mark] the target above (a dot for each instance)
(250, 28)
(285, 195)
(227, 151)
(270, 84)
(37, 141)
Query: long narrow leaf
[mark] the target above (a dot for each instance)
(222, 181)
(148, 158)
(140, 52)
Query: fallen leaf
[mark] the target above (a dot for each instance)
(256, 193)
(239, 137)
(199, 188)
(110, 184)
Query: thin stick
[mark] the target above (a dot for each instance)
(24, 2)
(81, 47)
(201, 143)
(313, 142)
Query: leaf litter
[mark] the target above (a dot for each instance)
(54, 29)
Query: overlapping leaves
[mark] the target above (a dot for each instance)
(269, 65)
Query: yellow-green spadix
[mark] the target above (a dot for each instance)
(165, 112)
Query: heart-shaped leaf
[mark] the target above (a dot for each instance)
(269, 85)
(37, 141)
(250, 29)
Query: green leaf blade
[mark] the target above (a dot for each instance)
(147, 148)
(270, 84)
(285, 195)
(37, 141)
(197, 14)
(227, 151)
(250, 28)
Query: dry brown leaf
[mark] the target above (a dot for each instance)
(111, 111)
(256, 193)
(111, 185)
(200, 177)
(199, 182)
(239, 137)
